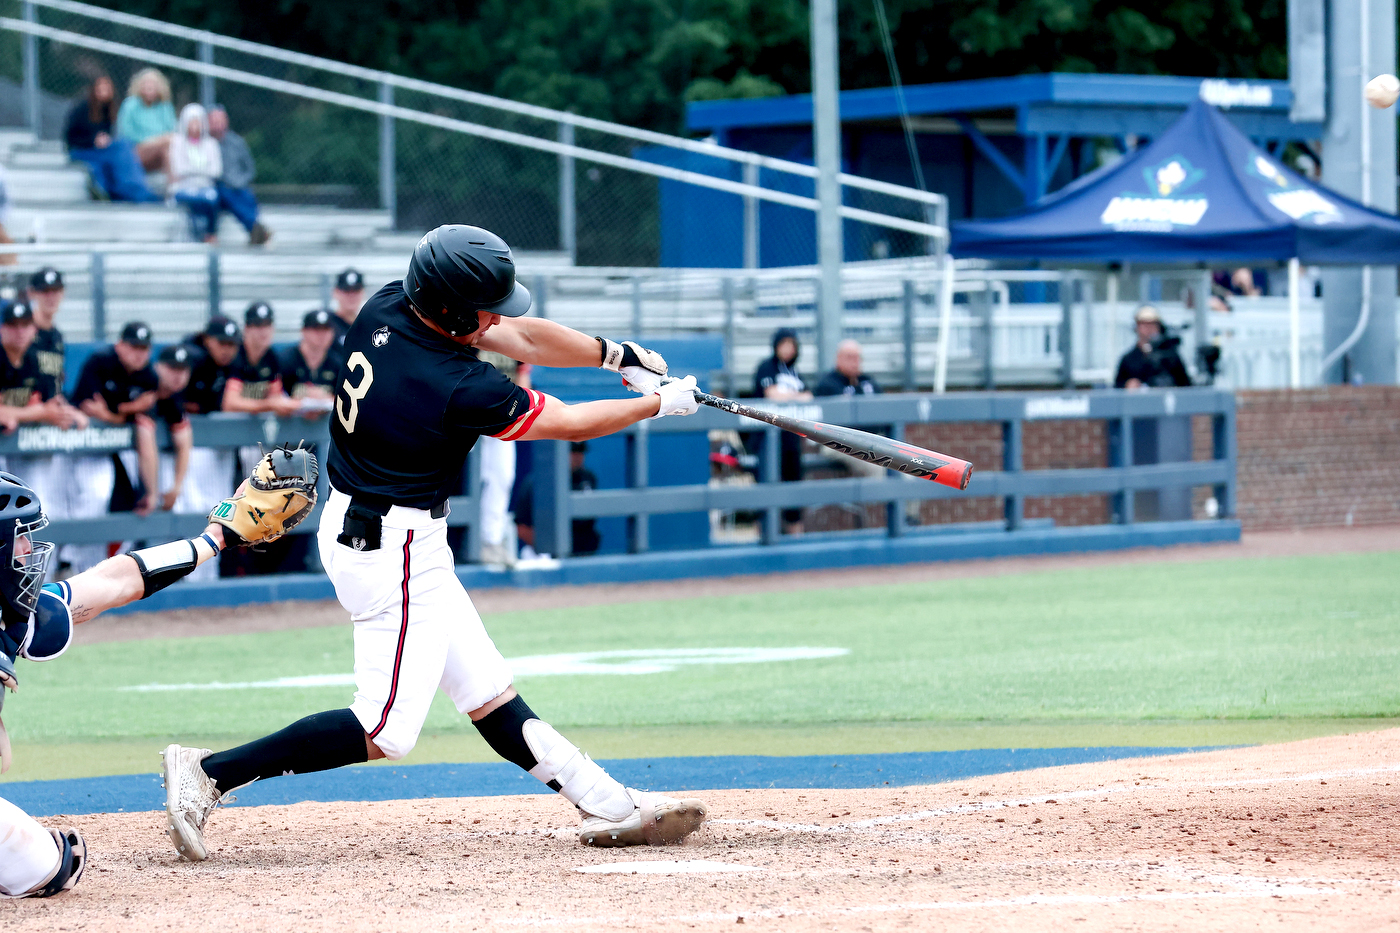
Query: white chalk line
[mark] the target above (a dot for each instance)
(982, 806)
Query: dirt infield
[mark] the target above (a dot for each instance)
(277, 617)
(1298, 836)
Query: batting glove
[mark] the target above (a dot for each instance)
(677, 397)
(629, 353)
(640, 379)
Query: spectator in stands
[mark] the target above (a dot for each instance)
(1153, 362)
(117, 386)
(147, 119)
(776, 379)
(172, 378)
(112, 163)
(235, 184)
(255, 377)
(309, 369)
(847, 378)
(348, 296)
(26, 397)
(195, 166)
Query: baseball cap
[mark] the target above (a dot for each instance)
(221, 328)
(136, 334)
(350, 280)
(177, 355)
(318, 318)
(1147, 315)
(47, 279)
(259, 314)
(16, 312)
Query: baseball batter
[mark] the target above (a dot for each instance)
(37, 619)
(413, 399)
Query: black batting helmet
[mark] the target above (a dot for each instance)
(23, 561)
(458, 270)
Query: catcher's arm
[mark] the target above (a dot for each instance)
(280, 492)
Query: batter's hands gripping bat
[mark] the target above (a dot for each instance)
(872, 448)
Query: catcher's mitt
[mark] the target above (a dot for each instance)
(277, 496)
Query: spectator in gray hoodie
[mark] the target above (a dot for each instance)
(195, 166)
(234, 186)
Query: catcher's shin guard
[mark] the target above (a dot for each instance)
(519, 736)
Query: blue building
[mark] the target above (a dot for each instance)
(992, 146)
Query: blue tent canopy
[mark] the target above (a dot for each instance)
(1201, 192)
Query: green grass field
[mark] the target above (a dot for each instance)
(1226, 652)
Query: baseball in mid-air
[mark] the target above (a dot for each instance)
(1382, 91)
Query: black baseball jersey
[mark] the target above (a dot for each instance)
(341, 329)
(257, 376)
(50, 349)
(19, 383)
(774, 372)
(103, 374)
(205, 393)
(171, 410)
(837, 383)
(411, 404)
(297, 374)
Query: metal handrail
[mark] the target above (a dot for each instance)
(466, 127)
(487, 100)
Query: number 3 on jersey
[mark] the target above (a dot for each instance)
(348, 413)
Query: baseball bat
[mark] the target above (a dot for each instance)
(862, 445)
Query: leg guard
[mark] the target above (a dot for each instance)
(71, 862)
(164, 564)
(520, 737)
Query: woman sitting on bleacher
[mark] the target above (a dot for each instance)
(195, 166)
(116, 172)
(147, 119)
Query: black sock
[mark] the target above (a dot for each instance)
(502, 728)
(319, 742)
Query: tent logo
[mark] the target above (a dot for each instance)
(1297, 202)
(1165, 207)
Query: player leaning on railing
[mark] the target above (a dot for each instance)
(413, 399)
(37, 619)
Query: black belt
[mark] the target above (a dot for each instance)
(381, 506)
(363, 529)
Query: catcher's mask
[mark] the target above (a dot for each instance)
(458, 270)
(23, 561)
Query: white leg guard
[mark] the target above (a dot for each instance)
(28, 855)
(581, 780)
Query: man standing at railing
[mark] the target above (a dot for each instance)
(234, 185)
(413, 400)
(115, 386)
(348, 296)
(1153, 362)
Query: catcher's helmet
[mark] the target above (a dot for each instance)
(458, 270)
(23, 561)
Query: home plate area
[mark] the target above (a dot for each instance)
(1296, 836)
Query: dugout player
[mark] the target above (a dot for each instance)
(309, 369)
(36, 624)
(348, 296)
(211, 469)
(412, 401)
(45, 294)
(117, 386)
(254, 381)
(27, 396)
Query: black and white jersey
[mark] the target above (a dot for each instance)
(103, 374)
(411, 404)
(258, 376)
(774, 372)
(298, 375)
(49, 348)
(341, 329)
(205, 393)
(19, 383)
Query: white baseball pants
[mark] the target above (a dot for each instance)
(416, 629)
(497, 480)
(28, 855)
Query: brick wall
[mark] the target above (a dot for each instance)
(1325, 456)
(1045, 445)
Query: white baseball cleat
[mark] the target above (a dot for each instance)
(190, 796)
(658, 820)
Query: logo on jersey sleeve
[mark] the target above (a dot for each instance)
(379, 337)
